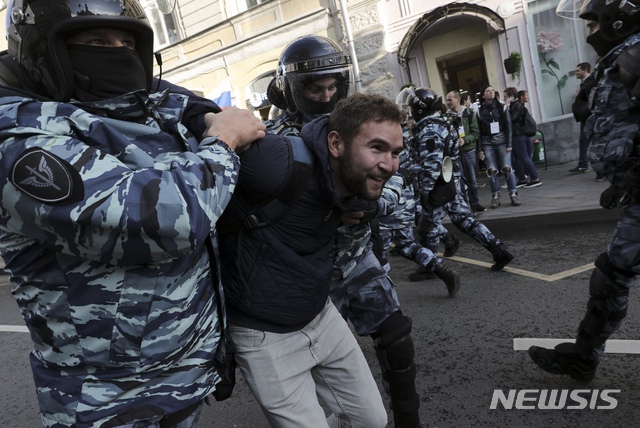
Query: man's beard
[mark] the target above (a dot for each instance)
(358, 181)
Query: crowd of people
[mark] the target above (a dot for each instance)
(156, 244)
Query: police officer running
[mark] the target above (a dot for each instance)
(613, 129)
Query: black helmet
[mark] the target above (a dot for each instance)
(303, 62)
(617, 19)
(424, 102)
(37, 31)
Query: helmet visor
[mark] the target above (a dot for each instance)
(569, 9)
(325, 62)
(318, 92)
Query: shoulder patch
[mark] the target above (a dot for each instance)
(46, 178)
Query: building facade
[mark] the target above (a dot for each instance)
(216, 47)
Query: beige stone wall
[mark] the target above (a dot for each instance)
(242, 47)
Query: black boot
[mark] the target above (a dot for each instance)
(450, 278)
(564, 359)
(422, 274)
(501, 256)
(451, 244)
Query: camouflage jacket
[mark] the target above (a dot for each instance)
(431, 133)
(613, 127)
(107, 231)
(285, 124)
(396, 226)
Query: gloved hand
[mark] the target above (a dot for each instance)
(369, 209)
(611, 197)
(225, 387)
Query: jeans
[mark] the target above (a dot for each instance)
(523, 153)
(286, 371)
(469, 164)
(498, 160)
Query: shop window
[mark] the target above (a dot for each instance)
(558, 45)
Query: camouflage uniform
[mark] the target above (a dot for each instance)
(431, 133)
(613, 129)
(397, 227)
(108, 233)
(430, 230)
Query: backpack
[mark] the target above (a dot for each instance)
(529, 125)
(301, 164)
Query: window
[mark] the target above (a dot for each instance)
(163, 17)
(558, 45)
(248, 4)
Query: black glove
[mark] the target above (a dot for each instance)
(611, 197)
(225, 387)
(369, 208)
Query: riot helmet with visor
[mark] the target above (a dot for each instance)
(313, 74)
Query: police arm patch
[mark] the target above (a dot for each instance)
(46, 178)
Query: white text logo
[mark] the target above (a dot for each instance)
(554, 399)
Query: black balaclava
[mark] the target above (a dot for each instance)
(601, 45)
(105, 72)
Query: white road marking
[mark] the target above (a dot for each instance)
(13, 329)
(612, 346)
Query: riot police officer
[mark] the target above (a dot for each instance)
(613, 129)
(110, 207)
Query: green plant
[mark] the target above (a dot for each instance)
(513, 65)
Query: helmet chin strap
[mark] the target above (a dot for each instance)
(158, 57)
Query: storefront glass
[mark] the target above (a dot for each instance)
(558, 45)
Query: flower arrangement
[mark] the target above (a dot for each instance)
(548, 41)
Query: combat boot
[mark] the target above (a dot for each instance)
(422, 274)
(564, 359)
(501, 256)
(451, 244)
(450, 277)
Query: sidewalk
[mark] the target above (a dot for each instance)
(561, 191)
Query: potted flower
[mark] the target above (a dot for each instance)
(513, 65)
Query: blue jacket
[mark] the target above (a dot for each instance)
(277, 277)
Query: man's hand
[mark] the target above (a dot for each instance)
(236, 127)
(611, 197)
(352, 218)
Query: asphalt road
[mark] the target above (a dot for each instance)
(464, 346)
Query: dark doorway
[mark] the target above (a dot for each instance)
(464, 71)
